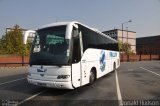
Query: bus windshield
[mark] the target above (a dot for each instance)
(50, 47)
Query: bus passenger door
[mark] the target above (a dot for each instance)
(84, 77)
(76, 64)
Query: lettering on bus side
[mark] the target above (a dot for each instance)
(102, 60)
(113, 54)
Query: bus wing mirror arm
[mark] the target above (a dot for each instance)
(26, 34)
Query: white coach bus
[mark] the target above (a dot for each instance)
(67, 55)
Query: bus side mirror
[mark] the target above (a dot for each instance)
(28, 33)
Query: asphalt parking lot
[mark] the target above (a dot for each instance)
(134, 83)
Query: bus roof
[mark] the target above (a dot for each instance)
(75, 22)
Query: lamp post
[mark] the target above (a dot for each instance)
(127, 34)
(122, 30)
(122, 35)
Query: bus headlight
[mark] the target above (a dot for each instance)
(63, 76)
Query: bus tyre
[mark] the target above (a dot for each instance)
(92, 77)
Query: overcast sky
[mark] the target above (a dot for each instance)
(100, 14)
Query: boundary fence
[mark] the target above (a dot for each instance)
(140, 57)
(13, 60)
(16, 60)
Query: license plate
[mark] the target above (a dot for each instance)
(41, 84)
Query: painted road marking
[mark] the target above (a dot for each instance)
(31, 97)
(118, 90)
(150, 71)
(130, 69)
(12, 81)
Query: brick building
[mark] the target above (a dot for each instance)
(128, 37)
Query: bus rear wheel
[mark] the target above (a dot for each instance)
(92, 77)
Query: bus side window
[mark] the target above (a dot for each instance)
(76, 50)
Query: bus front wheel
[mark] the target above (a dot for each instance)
(92, 76)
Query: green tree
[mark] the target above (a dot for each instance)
(3, 45)
(120, 46)
(124, 47)
(12, 42)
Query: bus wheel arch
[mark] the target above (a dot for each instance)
(93, 75)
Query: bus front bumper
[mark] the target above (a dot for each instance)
(51, 84)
